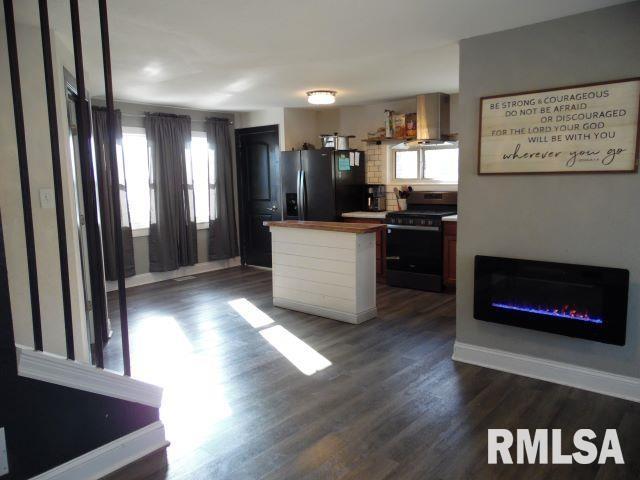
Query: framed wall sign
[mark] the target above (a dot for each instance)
(578, 129)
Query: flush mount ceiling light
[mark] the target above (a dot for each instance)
(321, 97)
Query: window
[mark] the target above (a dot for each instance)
(136, 167)
(440, 164)
(200, 165)
(433, 164)
(406, 164)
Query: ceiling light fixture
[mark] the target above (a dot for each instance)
(321, 97)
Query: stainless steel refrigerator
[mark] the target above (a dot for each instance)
(321, 184)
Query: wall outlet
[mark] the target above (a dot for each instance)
(4, 461)
(47, 198)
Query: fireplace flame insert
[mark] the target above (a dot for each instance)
(574, 300)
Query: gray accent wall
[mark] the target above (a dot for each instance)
(589, 219)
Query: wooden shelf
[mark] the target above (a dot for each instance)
(452, 137)
(379, 141)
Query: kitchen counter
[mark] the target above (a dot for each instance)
(375, 215)
(328, 226)
(450, 218)
(325, 268)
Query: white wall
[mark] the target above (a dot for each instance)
(300, 126)
(40, 171)
(588, 219)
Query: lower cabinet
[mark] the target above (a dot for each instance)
(381, 244)
(449, 254)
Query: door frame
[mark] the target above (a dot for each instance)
(242, 172)
(99, 324)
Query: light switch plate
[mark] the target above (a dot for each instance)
(4, 462)
(47, 198)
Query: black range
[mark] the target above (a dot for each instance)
(414, 240)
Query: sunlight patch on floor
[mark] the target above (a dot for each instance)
(252, 314)
(300, 354)
(194, 400)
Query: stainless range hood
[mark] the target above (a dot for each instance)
(433, 121)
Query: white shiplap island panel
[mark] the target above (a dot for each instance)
(325, 272)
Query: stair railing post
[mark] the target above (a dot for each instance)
(18, 114)
(57, 176)
(96, 267)
(115, 189)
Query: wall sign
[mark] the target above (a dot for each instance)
(585, 128)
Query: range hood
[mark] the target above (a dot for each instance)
(432, 118)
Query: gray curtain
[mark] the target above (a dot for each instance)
(172, 226)
(223, 241)
(107, 181)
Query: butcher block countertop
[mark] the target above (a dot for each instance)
(329, 226)
(373, 215)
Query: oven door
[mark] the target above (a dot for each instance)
(414, 249)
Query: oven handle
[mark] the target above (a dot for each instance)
(411, 227)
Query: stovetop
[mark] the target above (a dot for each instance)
(424, 217)
(423, 213)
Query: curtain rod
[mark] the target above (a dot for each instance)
(138, 115)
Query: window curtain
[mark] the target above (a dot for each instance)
(172, 226)
(106, 183)
(223, 241)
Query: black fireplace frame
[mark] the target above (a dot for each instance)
(614, 284)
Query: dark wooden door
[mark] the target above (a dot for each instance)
(258, 153)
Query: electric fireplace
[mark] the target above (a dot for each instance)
(574, 300)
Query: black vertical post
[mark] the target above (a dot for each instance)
(57, 175)
(115, 189)
(94, 251)
(18, 114)
(8, 359)
(8, 362)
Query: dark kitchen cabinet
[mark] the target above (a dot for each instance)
(381, 244)
(449, 254)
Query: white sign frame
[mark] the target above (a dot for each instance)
(510, 144)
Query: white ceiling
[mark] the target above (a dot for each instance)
(252, 54)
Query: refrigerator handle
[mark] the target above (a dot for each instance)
(303, 196)
(299, 194)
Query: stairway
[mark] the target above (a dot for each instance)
(68, 420)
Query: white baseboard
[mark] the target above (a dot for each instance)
(325, 312)
(260, 267)
(110, 457)
(584, 378)
(153, 277)
(51, 368)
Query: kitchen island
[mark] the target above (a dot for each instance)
(325, 268)
(381, 237)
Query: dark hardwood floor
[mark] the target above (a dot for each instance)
(392, 404)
